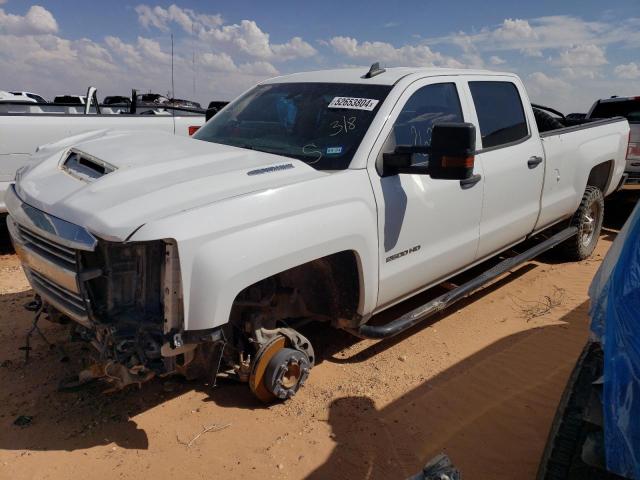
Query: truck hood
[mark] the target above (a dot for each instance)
(153, 175)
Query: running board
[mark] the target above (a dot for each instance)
(445, 300)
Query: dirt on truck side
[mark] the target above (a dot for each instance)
(480, 382)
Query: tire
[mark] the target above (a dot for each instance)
(588, 220)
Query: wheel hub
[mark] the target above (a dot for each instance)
(589, 225)
(286, 373)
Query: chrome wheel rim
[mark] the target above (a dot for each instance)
(590, 223)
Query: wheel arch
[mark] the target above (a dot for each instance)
(600, 176)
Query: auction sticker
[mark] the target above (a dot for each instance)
(353, 103)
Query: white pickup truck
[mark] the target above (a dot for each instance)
(328, 195)
(25, 126)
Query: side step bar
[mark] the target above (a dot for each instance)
(445, 300)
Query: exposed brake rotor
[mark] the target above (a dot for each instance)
(260, 363)
(278, 372)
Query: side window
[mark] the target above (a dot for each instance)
(500, 112)
(426, 107)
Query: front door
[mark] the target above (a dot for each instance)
(428, 228)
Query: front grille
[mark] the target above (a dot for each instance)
(65, 300)
(49, 249)
(52, 269)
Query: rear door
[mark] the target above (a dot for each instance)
(512, 158)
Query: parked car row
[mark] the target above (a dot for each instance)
(142, 99)
(27, 126)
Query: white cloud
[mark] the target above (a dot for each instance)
(152, 50)
(38, 20)
(218, 62)
(222, 62)
(548, 90)
(128, 53)
(189, 20)
(495, 60)
(540, 81)
(551, 32)
(514, 29)
(531, 52)
(294, 48)
(407, 55)
(629, 71)
(260, 68)
(581, 56)
(246, 37)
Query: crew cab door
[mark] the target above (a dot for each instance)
(428, 229)
(513, 161)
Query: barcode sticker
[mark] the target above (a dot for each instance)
(354, 103)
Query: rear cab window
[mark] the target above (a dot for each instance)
(500, 113)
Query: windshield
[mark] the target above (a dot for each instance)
(629, 109)
(321, 124)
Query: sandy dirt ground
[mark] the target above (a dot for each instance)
(480, 382)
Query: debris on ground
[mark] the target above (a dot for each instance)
(23, 421)
(205, 429)
(531, 309)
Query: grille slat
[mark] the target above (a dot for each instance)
(65, 254)
(68, 295)
(65, 301)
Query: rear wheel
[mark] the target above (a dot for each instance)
(588, 220)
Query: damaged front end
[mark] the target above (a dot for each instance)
(126, 298)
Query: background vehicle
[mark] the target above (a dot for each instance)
(629, 108)
(178, 102)
(152, 98)
(26, 125)
(32, 96)
(116, 100)
(7, 97)
(327, 196)
(70, 99)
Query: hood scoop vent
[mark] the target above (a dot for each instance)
(85, 167)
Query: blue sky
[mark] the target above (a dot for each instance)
(568, 53)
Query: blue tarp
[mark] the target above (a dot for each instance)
(615, 322)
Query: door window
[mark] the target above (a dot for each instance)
(500, 113)
(426, 107)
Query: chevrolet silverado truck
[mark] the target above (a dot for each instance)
(26, 125)
(629, 108)
(327, 196)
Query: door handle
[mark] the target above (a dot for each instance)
(471, 181)
(534, 161)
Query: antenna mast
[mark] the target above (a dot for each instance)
(173, 93)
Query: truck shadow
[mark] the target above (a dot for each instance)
(490, 413)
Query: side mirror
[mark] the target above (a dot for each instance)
(452, 154)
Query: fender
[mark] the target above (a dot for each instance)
(232, 244)
(598, 149)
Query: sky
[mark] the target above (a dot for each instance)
(568, 53)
